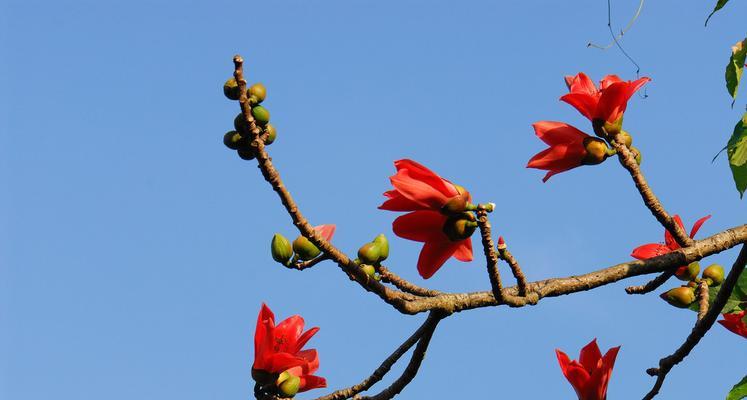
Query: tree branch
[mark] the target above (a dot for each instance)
(506, 256)
(653, 284)
(403, 284)
(701, 326)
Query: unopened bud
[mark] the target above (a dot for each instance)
(625, 138)
(246, 154)
(231, 89)
(680, 297)
(281, 249)
(258, 91)
(261, 115)
(239, 123)
(369, 270)
(460, 227)
(715, 273)
(692, 284)
(456, 204)
(305, 250)
(688, 272)
(636, 154)
(288, 384)
(369, 253)
(613, 128)
(596, 151)
(232, 140)
(383, 244)
(271, 134)
(501, 243)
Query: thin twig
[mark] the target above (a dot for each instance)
(491, 258)
(701, 326)
(403, 284)
(505, 255)
(627, 159)
(302, 265)
(622, 32)
(653, 284)
(428, 326)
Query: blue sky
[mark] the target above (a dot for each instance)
(134, 246)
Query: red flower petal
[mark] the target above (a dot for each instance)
(698, 224)
(582, 84)
(303, 339)
(326, 231)
(650, 250)
(586, 104)
(559, 157)
(553, 132)
(668, 238)
(419, 226)
(590, 356)
(434, 254)
(397, 202)
(574, 372)
(597, 385)
(464, 251)
(608, 80)
(309, 382)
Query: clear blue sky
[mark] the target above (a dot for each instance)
(134, 246)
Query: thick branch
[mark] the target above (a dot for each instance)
(426, 329)
(454, 302)
(701, 326)
(702, 299)
(627, 159)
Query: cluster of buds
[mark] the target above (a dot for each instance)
(684, 295)
(239, 138)
(371, 254)
(287, 253)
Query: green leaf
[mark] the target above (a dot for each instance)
(735, 68)
(739, 391)
(719, 5)
(737, 151)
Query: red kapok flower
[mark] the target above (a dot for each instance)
(736, 322)
(434, 220)
(651, 250)
(608, 103)
(569, 148)
(279, 348)
(590, 375)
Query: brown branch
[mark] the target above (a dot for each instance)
(627, 159)
(505, 255)
(701, 326)
(454, 302)
(491, 259)
(702, 299)
(653, 284)
(426, 328)
(418, 355)
(403, 284)
(302, 265)
(272, 176)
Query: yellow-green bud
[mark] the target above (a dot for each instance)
(460, 227)
(383, 244)
(456, 204)
(288, 384)
(261, 115)
(246, 154)
(369, 253)
(596, 151)
(232, 140)
(625, 138)
(613, 128)
(715, 273)
(258, 91)
(271, 134)
(231, 89)
(369, 270)
(688, 272)
(680, 297)
(305, 250)
(281, 249)
(239, 123)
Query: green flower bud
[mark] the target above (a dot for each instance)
(692, 284)
(613, 128)
(460, 227)
(305, 250)
(281, 249)
(637, 155)
(715, 273)
(625, 138)
(231, 89)
(271, 134)
(232, 140)
(288, 384)
(596, 151)
(383, 244)
(456, 204)
(680, 297)
(258, 91)
(369, 270)
(261, 115)
(246, 154)
(369, 253)
(688, 272)
(239, 123)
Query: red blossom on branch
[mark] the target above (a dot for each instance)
(590, 375)
(606, 103)
(651, 250)
(569, 148)
(736, 323)
(427, 195)
(278, 349)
